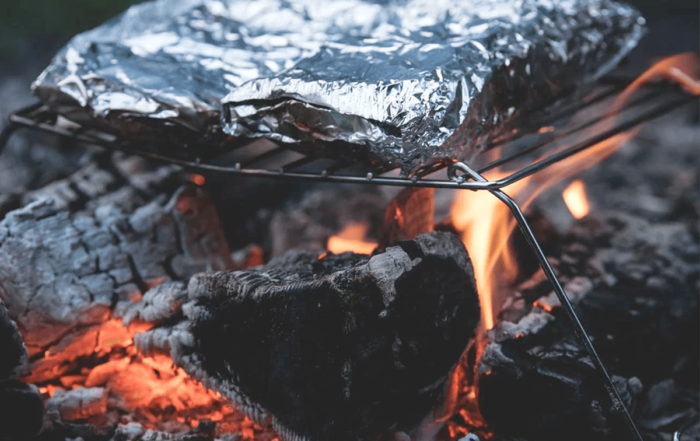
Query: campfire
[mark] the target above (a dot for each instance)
(137, 303)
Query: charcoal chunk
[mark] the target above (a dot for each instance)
(21, 410)
(13, 353)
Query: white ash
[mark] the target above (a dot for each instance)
(576, 289)
(77, 404)
(158, 304)
(128, 432)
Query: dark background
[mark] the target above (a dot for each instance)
(32, 30)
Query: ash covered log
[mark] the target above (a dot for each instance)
(341, 348)
(634, 285)
(102, 236)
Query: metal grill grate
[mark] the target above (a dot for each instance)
(547, 138)
(571, 126)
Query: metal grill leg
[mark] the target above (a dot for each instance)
(579, 330)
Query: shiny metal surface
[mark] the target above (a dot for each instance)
(405, 83)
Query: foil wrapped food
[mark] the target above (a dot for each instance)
(404, 83)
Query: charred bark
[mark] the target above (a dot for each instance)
(342, 347)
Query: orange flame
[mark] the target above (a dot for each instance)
(486, 224)
(576, 200)
(351, 238)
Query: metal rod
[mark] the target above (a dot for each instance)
(330, 175)
(678, 433)
(579, 330)
(540, 165)
(564, 134)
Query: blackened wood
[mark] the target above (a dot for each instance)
(536, 382)
(342, 347)
(13, 353)
(21, 406)
(634, 286)
(21, 410)
(643, 312)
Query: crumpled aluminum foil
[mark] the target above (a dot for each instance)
(398, 82)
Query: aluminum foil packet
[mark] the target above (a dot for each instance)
(403, 83)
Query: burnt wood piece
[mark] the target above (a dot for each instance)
(21, 407)
(13, 353)
(343, 347)
(535, 382)
(21, 410)
(642, 312)
(634, 285)
(102, 236)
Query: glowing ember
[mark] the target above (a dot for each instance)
(351, 238)
(486, 224)
(576, 200)
(197, 179)
(148, 390)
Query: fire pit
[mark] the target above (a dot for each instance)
(117, 331)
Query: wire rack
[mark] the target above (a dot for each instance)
(576, 123)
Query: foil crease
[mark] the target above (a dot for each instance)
(403, 83)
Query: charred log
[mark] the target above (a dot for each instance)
(645, 278)
(78, 404)
(21, 410)
(102, 236)
(536, 382)
(21, 406)
(14, 354)
(632, 283)
(336, 348)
